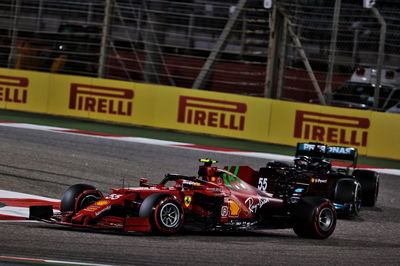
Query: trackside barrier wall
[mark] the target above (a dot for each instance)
(373, 133)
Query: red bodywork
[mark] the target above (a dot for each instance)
(216, 193)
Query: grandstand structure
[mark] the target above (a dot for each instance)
(218, 45)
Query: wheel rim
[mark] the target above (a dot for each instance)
(376, 189)
(357, 199)
(170, 215)
(325, 219)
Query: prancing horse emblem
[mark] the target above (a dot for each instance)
(188, 200)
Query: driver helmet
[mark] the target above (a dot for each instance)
(318, 151)
(302, 162)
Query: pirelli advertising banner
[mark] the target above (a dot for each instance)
(23, 90)
(306, 122)
(372, 133)
(91, 98)
(216, 113)
(250, 118)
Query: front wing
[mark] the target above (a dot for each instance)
(129, 224)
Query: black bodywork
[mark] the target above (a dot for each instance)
(313, 174)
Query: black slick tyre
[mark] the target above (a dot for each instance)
(165, 213)
(369, 181)
(348, 193)
(71, 196)
(314, 217)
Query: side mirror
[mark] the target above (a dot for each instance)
(144, 182)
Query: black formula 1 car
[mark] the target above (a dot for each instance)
(215, 199)
(312, 174)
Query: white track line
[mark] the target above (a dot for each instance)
(43, 261)
(181, 145)
(18, 211)
(18, 195)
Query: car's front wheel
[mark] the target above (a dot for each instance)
(348, 195)
(73, 198)
(165, 213)
(370, 186)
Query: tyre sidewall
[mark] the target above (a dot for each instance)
(347, 191)
(151, 208)
(306, 215)
(159, 226)
(324, 207)
(68, 200)
(370, 186)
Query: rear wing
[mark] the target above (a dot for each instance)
(319, 150)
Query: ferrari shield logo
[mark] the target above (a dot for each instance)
(188, 200)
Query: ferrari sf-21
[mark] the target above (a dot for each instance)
(216, 199)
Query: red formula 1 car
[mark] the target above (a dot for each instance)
(216, 199)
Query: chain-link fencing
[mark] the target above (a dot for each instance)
(214, 45)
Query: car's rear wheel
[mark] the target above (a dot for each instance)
(369, 186)
(314, 217)
(165, 213)
(348, 194)
(73, 198)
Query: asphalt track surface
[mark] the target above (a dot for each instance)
(46, 163)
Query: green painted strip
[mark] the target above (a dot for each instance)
(238, 179)
(225, 178)
(236, 170)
